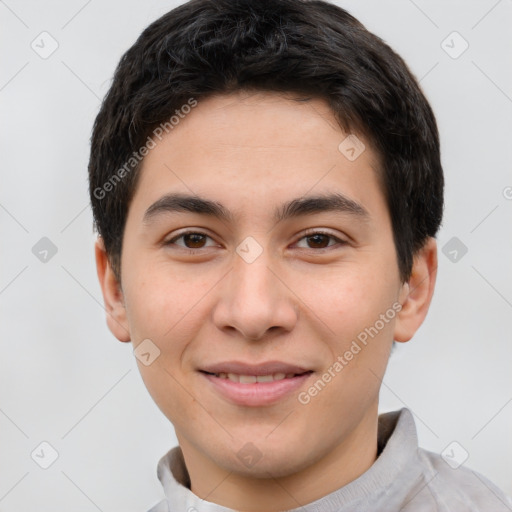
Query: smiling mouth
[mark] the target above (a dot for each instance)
(252, 379)
(255, 385)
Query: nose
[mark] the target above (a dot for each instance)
(254, 299)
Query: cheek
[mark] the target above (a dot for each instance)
(353, 302)
(157, 301)
(162, 307)
(358, 308)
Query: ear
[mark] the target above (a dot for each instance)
(416, 294)
(112, 294)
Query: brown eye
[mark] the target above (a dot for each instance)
(194, 240)
(318, 241)
(191, 240)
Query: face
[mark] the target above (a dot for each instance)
(273, 296)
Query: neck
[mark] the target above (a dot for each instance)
(348, 460)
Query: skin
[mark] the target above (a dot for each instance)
(302, 301)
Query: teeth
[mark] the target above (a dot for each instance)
(251, 379)
(247, 379)
(264, 378)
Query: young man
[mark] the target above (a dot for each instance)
(266, 181)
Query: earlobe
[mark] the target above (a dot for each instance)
(112, 294)
(416, 294)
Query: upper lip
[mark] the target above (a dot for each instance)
(265, 368)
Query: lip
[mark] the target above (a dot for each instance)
(256, 394)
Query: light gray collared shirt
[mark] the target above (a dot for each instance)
(404, 478)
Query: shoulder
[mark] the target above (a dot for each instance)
(453, 487)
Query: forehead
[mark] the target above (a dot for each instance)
(264, 122)
(248, 149)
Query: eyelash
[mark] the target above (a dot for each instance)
(308, 234)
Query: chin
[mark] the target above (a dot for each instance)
(267, 469)
(264, 462)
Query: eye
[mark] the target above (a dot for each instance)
(320, 240)
(191, 240)
(196, 240)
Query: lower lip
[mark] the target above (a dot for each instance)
(259, 393)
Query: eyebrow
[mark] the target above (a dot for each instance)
(309, 205)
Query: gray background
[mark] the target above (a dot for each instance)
(65, 380)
